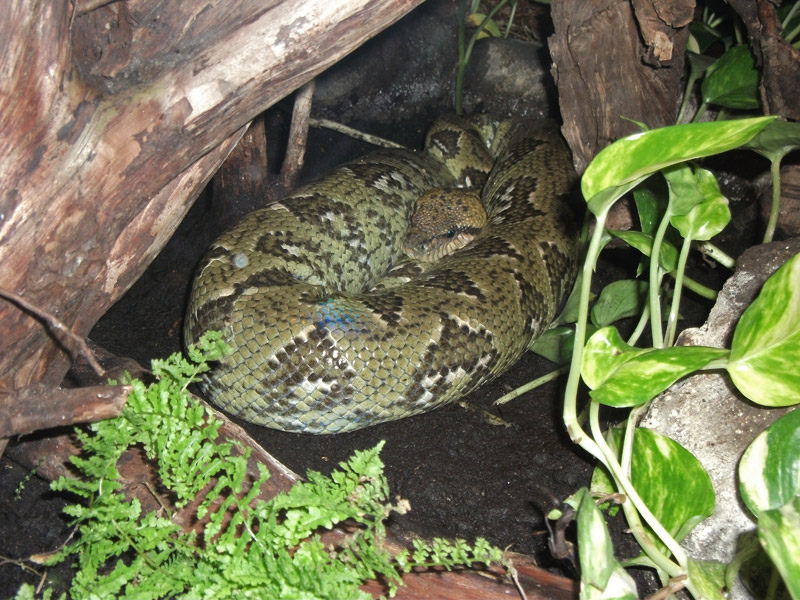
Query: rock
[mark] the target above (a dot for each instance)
(409, 73)
(510, 77)
(708, 417)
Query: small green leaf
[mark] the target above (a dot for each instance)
(732, 81)
(708, 578)
(618, 300)
(620, 375)
(602, 484)
(776, 140)
(625, 163)
(769, 471)
(602, 577)
(604, 353)
(643, 242)
(555, 344)
(684, 190)
(704, 36)
(651, 202)
(490, 29)
(765, 350)
(709, 217)
(779, 533)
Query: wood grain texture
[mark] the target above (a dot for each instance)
(600, 65)
(112, 120)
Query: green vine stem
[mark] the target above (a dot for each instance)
(656, 274)
(465, 53)
(714, 253)
(775, 173)
(672, 318)
(555, 374)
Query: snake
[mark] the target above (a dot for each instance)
(340, 314)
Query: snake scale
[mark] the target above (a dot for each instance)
(333, 329)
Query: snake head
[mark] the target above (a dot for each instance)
(444, 220)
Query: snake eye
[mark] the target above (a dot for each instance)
(451, 234)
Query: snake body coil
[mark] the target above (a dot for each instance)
(332, 330)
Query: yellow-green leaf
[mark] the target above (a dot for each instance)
(765, 351)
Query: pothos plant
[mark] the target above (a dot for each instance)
(643, 465)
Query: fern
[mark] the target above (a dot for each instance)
(265, 548)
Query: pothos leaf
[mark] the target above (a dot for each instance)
(779, 533)
(625, 163)
(732, 81)
(621, 375)
(765, 350)
(601, 575)
(769, 471)
(708, 217)
(659, 466)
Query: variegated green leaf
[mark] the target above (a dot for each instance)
(643, 242)
(779, 533)
(684, 189)
(619, 167)
(732, 81)
(602, 577)
(765, 351)
(697, 207)
(769, 471)
(601, 484)
(705, 220)
(708, 579)
(603, 354)
(620, 375)
(659, 467)
(618, 300)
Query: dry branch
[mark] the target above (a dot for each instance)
(42, 407)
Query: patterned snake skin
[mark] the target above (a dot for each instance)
(332, 329)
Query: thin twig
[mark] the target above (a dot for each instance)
(298, 136)
(354, 133)
(675, 584)
(57, 325)
(513, 574)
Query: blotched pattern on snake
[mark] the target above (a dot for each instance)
(334, 329)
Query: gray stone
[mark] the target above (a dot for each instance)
(708, 417)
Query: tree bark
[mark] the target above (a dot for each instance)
(615, 61)
(779, 61)
(113, 116)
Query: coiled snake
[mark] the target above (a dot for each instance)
(333, 330)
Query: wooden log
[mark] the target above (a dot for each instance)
(113, 116)
(606, 74)
(41, 406)
(779, 61)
